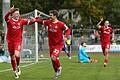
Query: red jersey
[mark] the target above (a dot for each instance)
(55, 32)
(15, 28)
(105, 34)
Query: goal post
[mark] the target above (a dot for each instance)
(30, 37)
(36, 36)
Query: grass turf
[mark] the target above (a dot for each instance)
(71, 69)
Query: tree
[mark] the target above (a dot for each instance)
(100, 8)
(115, 12)
(0, 11)
(90, 10)
(0, 14)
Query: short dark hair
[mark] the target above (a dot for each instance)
(15, 9)
(82, 43)
(54, 12)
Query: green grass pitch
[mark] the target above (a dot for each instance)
(71, 69)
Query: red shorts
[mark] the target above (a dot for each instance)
(104, 46)
(55, 51)
(13, 46)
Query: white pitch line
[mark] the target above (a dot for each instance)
(20, 66)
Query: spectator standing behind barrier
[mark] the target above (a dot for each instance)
(3, 58)
(40, 40)
(92, 36)
(2, 36)
(1, 51)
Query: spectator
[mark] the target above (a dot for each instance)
(40, 40)
(92, 36)
(1, 51)
(2, 36)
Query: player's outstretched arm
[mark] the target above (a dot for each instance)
(9, 12)
(101, 20)
(36, 19)
(29, 22)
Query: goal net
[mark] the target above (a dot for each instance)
(30, 51)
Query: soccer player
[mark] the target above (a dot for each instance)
(56, 40)
(67, 44)
(14, 37)
(67, 48)
(106, 31)
(82, 55)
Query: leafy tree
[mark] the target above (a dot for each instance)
(90, 10)
(115, 14)
(0, 11)
(0, 14)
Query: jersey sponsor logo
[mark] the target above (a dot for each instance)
(16, 27)
(53, 29)
(107, 32)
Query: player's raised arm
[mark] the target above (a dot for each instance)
(8, 13)
(98, 25)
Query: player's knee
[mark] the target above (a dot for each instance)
(12, 57)
(17, 53)
(53, 58)
(106, 50)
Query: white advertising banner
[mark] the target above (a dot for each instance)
(97, 48)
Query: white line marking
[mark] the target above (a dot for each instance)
(20, 66)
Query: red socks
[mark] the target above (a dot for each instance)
(13, 62)
(56, 64)
(106, 61)
(18, 60)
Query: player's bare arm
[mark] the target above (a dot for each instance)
(113, 36)
(9, 12)
(67, 34)
(101, 20)
(35, 17)
(11, 9)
